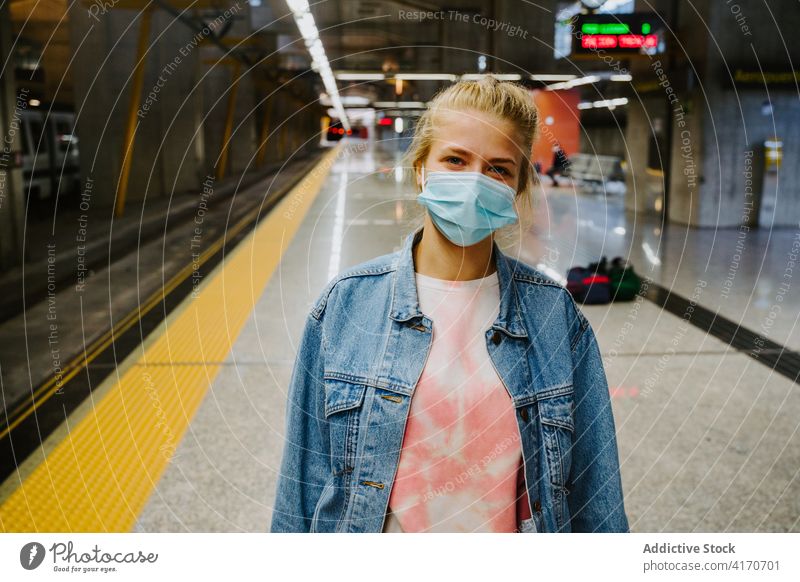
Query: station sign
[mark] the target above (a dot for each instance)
(636, 34)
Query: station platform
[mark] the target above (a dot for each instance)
(186, 433)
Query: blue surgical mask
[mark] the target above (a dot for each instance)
(467, 207)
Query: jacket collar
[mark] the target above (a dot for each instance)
(405, 302)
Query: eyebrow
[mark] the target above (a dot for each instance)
(462, 151)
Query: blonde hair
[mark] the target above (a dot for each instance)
(504, 100)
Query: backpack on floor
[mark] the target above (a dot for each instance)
(575, 284)
(625, 283)
(589, 285)
(598, 286)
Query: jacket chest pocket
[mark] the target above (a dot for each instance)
(558, 428)
(343, 405)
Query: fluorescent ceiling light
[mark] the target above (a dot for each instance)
(610, 103)
(355, 100)
(298, 5)
(360, 76)
(500, 76)
(401, 104)
(305, 22)
(319, 61)
(552, 77)
(425, 76)
(574, 83)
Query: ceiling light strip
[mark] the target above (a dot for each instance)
(319, 61)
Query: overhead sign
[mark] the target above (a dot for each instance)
(640, 33)
(761, 78)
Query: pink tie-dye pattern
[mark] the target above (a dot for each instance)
(461, 456)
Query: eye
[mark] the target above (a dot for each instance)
(501, 169)
(449, 158)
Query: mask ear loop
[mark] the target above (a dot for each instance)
(423, 176)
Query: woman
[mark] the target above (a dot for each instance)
(448, 386)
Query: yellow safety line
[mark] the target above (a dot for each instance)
(100, 476)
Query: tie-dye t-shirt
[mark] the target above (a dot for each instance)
(460, 467)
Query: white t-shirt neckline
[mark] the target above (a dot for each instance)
(448, 285)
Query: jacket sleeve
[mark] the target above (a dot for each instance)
(595, 496)
(305, 464)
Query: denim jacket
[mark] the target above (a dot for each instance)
(363, 349)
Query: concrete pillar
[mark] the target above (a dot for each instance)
(645, 185)
(688, 192)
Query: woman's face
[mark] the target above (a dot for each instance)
(473, 141)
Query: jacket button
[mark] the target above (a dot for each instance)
(496, 337)
(537, 505)
(523, 412)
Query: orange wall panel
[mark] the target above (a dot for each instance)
(562, 107)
